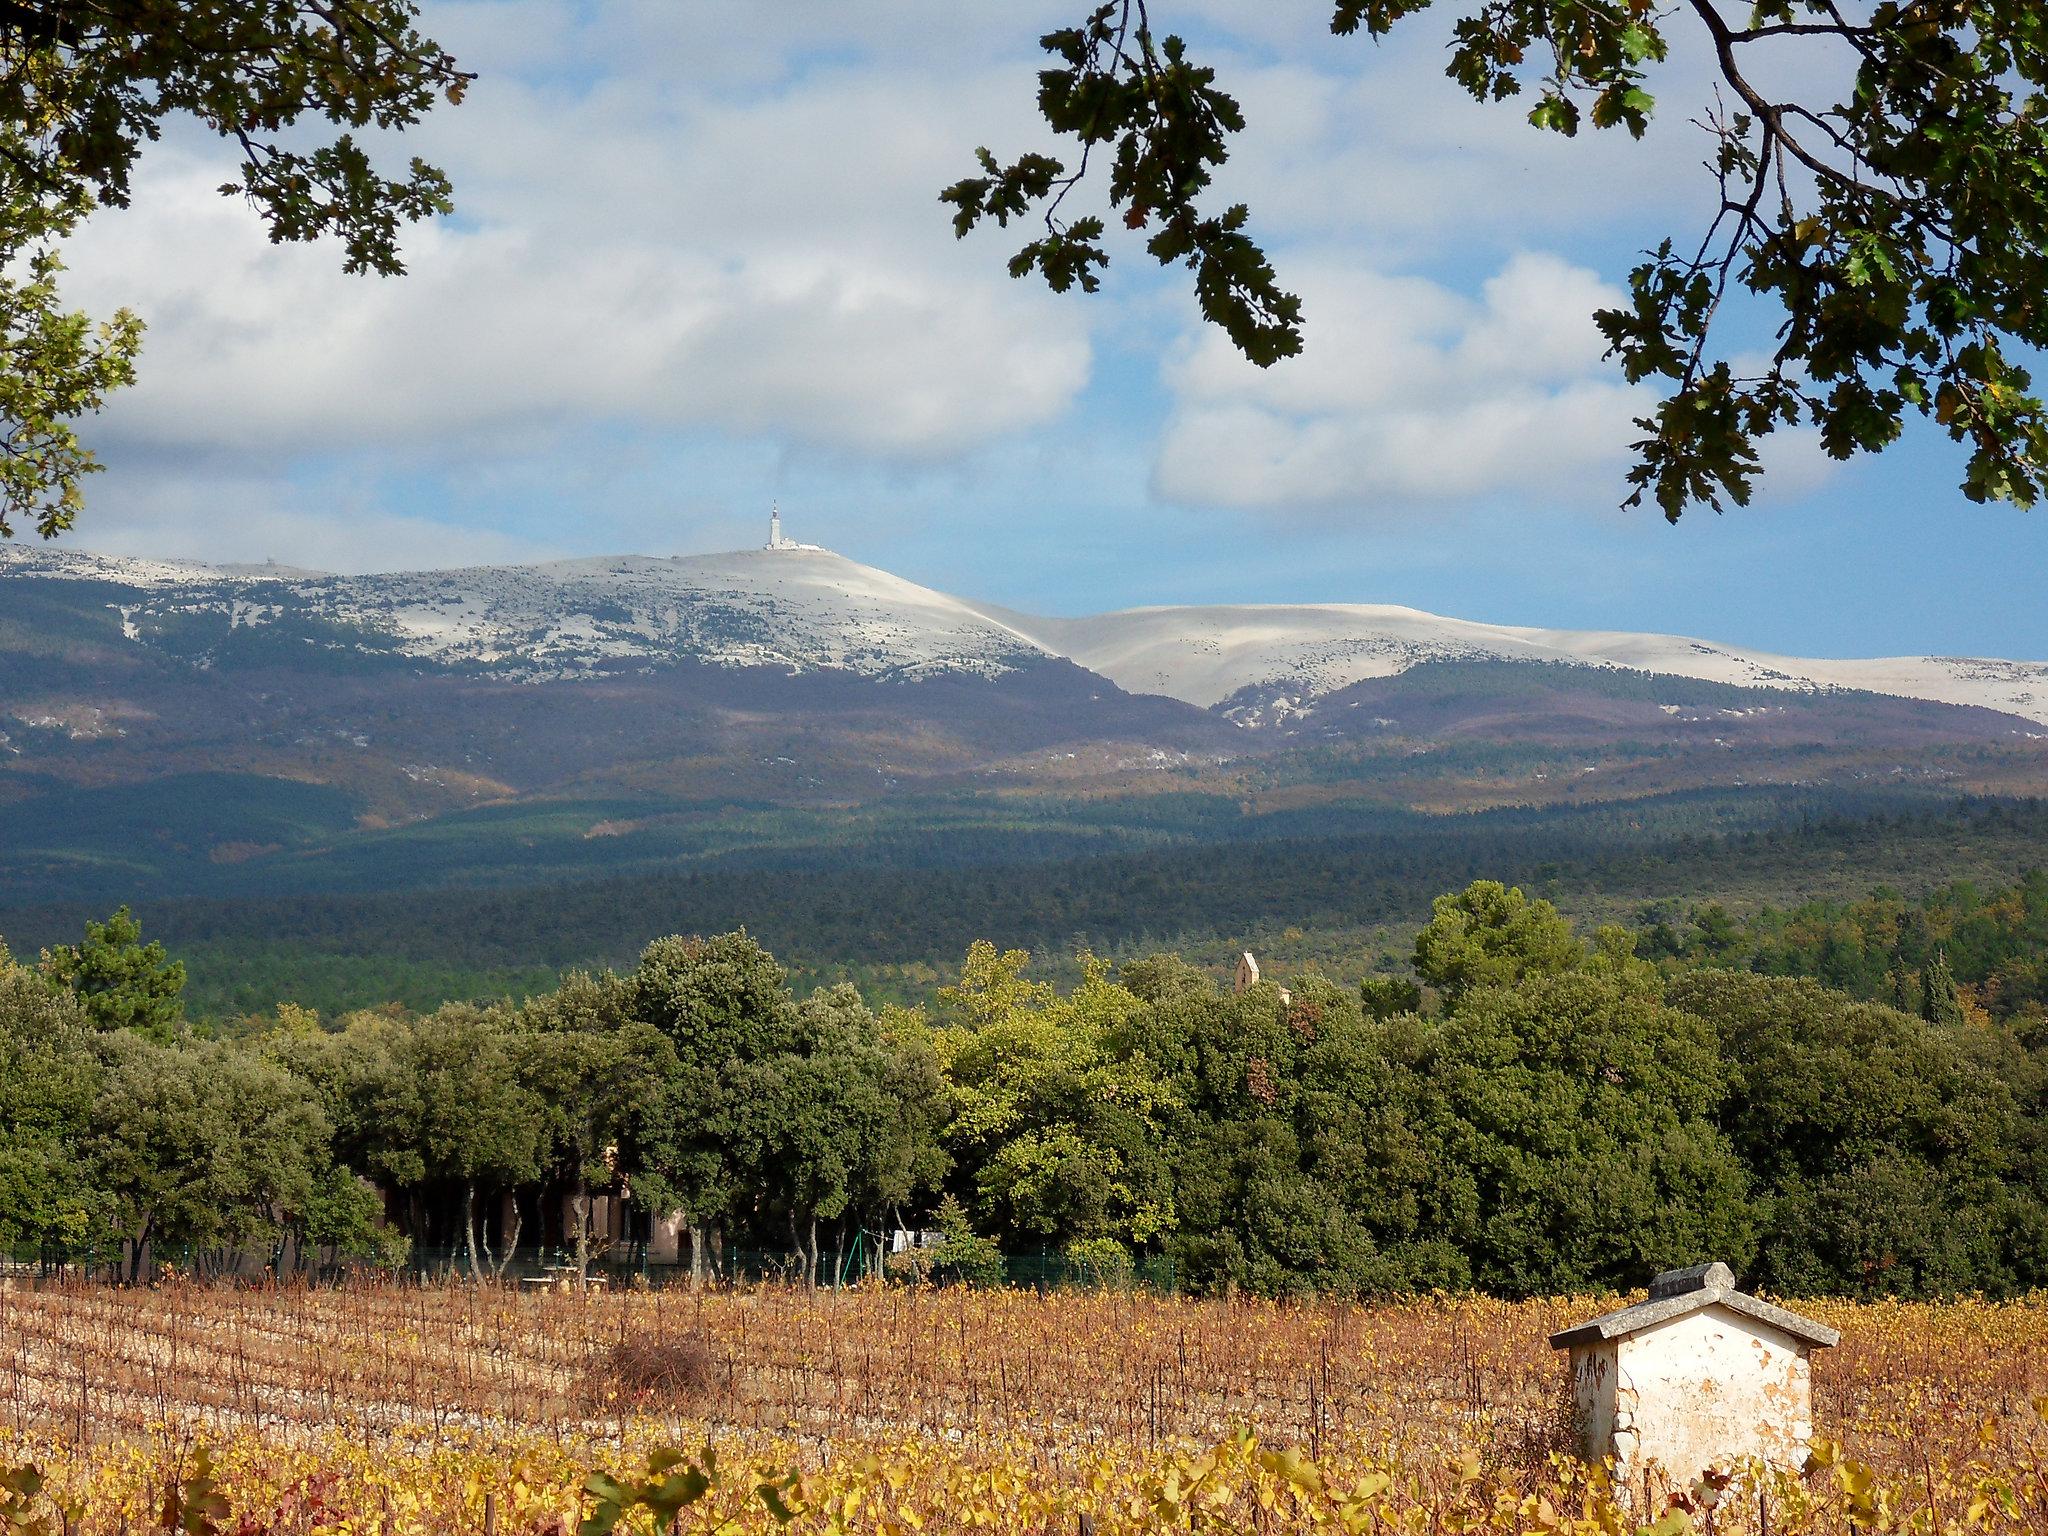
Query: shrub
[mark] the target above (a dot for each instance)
(1101, 1261)
(668, 1371)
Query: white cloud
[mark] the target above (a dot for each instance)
(1369, 144)
(233, 515)
(266, 351)
(636, 249)
(1407, 392)
(711, 232)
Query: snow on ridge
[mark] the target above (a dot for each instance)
(798, 609)
(64, 563)
(1206, 655)
(793, 609)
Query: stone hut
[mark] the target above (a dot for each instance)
(1698, 1376)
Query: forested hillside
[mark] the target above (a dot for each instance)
(891, 907)
(1959, 951)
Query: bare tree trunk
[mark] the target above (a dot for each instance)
(581, 1205)
(811, 1269)
(696, 1254)
(141, 1246)
(510, 1237)
(469, 1228)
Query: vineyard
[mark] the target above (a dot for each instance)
(403, 1410)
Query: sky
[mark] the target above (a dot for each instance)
(698, 265)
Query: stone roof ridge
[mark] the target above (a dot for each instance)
(1678, 1292)
(1700, 1277)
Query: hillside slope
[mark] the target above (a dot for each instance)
(808, 609)
(795, 609)
(1242, 656)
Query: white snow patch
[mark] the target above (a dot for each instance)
(804, 609)
(1206, 655)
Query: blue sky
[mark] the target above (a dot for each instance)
(699, 264)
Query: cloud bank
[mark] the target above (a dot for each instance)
(1413, 393)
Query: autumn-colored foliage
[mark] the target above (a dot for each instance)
(400, 1411)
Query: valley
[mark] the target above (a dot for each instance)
(445, 783)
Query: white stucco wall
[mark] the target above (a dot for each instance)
(665, 1238)
(1702, 1390)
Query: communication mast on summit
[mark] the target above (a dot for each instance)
(775, 538)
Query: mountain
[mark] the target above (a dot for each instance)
(232, 727)
(769, 673)
(1238, 657)
(807, 609)
(799, 610)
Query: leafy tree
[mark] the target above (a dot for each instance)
(962, 1255)
(344, 1214)
(121, 982)
(1570, 1117)
(1569, 1128)
(1899, 228)
(904, 1156)
(845, 1123)
(1891, 1156)
(1490, 934)
(1385, 996)
(205, 1146)
(84, 87)
(1101, 1261)
(1259, 1141)
(723, 1006)
(49, 1076)
(802, 1115)
(1056, 1123)
(479, 1125)
(599, 1073)
(363, 1078)
(1154, 978)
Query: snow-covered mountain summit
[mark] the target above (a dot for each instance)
(798, 608)
(790, 607)
(1211, 656)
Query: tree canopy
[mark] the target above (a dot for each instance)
(1547, 1113)
(1898, 225)
(83, 88)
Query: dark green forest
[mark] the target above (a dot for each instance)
(1512, 1102)
(1337, 891)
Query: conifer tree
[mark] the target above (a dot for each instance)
(1941, 1001)
(121, 982)
(1899, 987)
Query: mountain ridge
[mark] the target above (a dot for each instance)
(808, 609)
